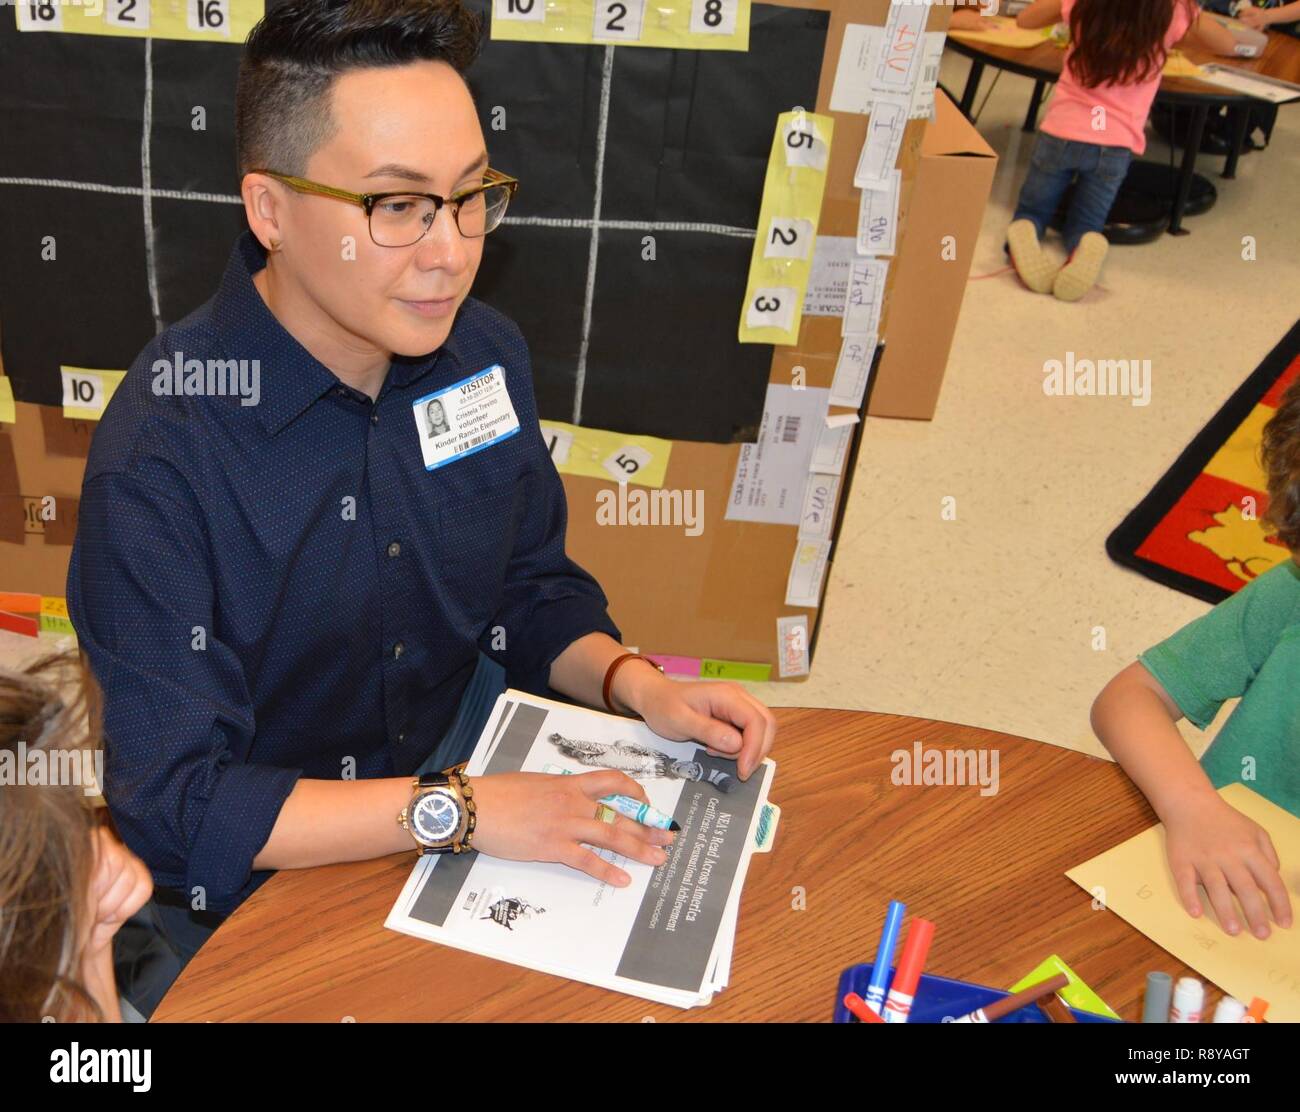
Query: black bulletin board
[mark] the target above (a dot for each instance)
(683, 138)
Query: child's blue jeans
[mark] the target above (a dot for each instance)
(1053, 166)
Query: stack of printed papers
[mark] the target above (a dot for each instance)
(666, 937)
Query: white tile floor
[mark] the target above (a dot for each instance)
(989, 619)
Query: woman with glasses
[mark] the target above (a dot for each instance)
(301, 611)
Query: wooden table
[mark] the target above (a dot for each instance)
(989, 870)
(1043, 63)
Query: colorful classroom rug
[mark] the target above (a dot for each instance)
(1201, 530)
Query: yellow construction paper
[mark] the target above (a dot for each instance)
(1134, 881)
(1177, 64)
(1006, 34)
(792, 193)
(192, 20)
(601, 454)
(96, 386)
(8, 414)
(677, 24)
(1076, 994)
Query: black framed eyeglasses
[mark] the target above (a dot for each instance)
(401, 218)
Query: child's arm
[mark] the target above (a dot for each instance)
(1259, 18)
(1209, 34)
(1206, 839)
(969, 19)
(1041, 13)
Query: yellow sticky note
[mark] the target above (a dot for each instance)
(1134, 881)
(86, 392)
(8, 414)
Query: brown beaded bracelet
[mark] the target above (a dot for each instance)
(614, 666)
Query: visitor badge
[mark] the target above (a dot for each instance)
(465, 417)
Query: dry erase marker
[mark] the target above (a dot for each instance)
(879, 982)
(1009, 1004)
(1229, 1010)
(1155, 1006)
(859, 1008)
(1189, 999)
(898, 1004)
(639, 812)
(1255, 1013)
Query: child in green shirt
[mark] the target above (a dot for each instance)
(1249, 647)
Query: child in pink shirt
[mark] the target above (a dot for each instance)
(1095, 125)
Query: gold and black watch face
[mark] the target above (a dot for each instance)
(435, 816)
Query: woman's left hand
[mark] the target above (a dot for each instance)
(723, 717)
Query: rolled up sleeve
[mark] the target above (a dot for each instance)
(178, 721)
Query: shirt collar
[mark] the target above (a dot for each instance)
(292, 378)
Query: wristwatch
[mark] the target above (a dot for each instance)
(440, 816)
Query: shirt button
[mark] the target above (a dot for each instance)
(394, 549)
(401, 737)
(398, 649)
(374, 417)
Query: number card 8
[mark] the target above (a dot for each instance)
(713, 17)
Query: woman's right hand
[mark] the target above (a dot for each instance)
(532, 816)
(1210, 841)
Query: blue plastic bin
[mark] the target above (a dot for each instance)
(940, 997)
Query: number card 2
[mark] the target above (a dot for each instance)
(617, 20)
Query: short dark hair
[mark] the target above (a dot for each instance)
(1281, 458)
(294, 54)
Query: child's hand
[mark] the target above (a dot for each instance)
(119, 886)
(1209, 841)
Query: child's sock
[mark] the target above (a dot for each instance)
(1077, 276)
(1035, 268)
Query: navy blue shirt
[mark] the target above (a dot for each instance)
(282, 589)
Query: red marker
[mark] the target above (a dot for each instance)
(859, 1008)
(898, 1004)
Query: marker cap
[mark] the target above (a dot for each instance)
(1155, 1006)
(1229, 1010)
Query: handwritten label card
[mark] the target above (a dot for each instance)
(878, 218)
(866, 296)
(853, 370)
(884, 137)
(898, 61)
(851, 91)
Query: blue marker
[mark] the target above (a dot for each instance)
(639, 812)
(879, 983)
